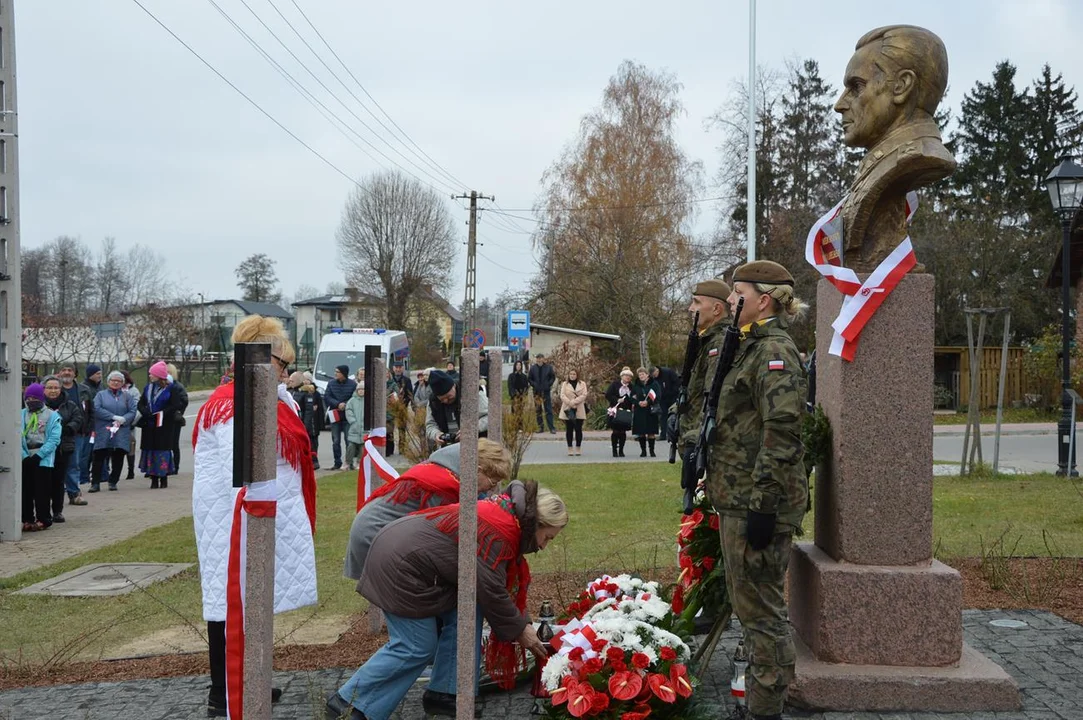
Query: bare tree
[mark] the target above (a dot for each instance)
(112, 277)
(147, 280)
(396, 236)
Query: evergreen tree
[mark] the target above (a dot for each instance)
(810, 164)
(1056, 131)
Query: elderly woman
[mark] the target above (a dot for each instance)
(41, 433)
(114, 413)
(619, 397)
(645, 394)
(214, 498)
(412, 575)
(181, 392)
(71, 423)
(161, 410)
(425, 485)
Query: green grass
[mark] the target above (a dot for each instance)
(623, 517)
(1010, 415)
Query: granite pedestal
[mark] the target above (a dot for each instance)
(878, 620)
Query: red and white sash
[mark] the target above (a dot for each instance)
(823, 250)
(260, 499)
(373, 461)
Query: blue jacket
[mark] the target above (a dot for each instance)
(47, 452)
(106, 405)
(339, 392)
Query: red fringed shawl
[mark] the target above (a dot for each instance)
(422, 482)
(293, 444)
(496, 522)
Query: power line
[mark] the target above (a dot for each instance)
(252, 102)
(357, 117)
(368, 94)
(503, 267)
(509, 211)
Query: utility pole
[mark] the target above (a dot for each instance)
(11, 323)
(471, 258)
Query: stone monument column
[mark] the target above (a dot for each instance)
(879, 620)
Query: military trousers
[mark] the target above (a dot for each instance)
(755, 580)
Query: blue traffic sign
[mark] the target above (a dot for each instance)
(518, 324)
(475, 339)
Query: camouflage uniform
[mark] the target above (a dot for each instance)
(756, 463)
(699, 384)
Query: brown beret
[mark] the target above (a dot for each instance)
(767, 272)
(714, 288)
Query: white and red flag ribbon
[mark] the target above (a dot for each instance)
(823, 250)
(373, 461)
(259, 499)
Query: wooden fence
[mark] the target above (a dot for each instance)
(953, 373)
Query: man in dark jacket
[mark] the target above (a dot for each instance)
(670, 382)
(542, 377)
(83, 396)
(338, 393)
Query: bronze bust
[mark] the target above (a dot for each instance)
(893, 85)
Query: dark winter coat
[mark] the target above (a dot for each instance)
(670, 382)
(71, 420)
(339, 392)
(644, 421)
(613, 397)
(312, 411)
(83, 396)
(412, 570)
(406, 388)
(518, 384)
(542, 378)
(170, 401)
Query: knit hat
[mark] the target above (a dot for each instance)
(92, 370)
(35, 390)
(159, 370)
(626, 371)
(344, 369)
(714, 288)
(766, 272)
(440, 382)
(309, 380)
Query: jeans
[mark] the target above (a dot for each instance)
(76, 463)
(379, 685)
(86, 452)
(338, 431)
(546, 403)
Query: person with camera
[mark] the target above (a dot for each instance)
(442, 418)
(646, 394)
(619, 415)
(573, 402)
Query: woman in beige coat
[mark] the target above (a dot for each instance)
(573, 411)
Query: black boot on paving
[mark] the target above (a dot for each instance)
(442, 704)
(642, 447)
(620, 447)
(650, 445)
(154, 483)
(338, 708)
(164, 483)
(614, 441)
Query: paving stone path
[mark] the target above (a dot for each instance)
(1045, 658)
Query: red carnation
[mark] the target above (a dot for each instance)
(598, 643)
(640, 661)
(614, 653)
(594, 665)
(576, 654)
(668, 653)
(635, 715)
(661, 686)
(625, 685)
(599, 702)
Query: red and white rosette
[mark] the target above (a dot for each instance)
(575, 634)
(259, 499)
(373, 463)
(823, 251)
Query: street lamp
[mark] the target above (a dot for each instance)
(1065, 186)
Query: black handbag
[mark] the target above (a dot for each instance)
(569, 414)
(623, 419)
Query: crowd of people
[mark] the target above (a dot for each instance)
(80, 435)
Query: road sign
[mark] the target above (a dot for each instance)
(474, 339)
(518, 324)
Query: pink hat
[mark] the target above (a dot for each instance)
(159, 370)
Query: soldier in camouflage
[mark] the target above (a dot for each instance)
(756, 478)
(710, 299)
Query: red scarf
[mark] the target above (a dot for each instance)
(422, 482)
(294, 445)
(496, 522)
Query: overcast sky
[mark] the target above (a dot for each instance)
(124, 133)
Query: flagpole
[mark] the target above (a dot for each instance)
(751, 130)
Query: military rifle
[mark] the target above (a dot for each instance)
(691, 350)
(697, 459)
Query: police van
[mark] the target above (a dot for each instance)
(346, 346)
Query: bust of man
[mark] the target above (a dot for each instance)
(893, 85)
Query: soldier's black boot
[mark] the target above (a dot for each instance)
(642, 447)
(614, 441)
(650, 444)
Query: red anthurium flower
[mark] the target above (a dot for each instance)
(599, 702)
(697, 516)
(713, 521)
(640, 661)
(668, 653)
(558, 696)
(678, 676)
(661, 686)
(592, 666)
(580, 699)
(643, 698)
(678, 599)
(708, 563)
(625, 685)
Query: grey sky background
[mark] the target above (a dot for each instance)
(123, 133)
